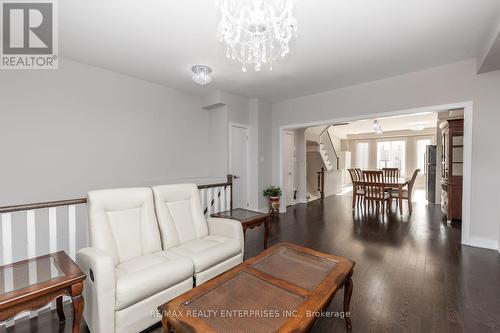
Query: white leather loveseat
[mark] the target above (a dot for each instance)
(134, 264)
(213, 247)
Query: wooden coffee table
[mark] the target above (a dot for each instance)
(284, 289)
(249, 219)
(33, 283)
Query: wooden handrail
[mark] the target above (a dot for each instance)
(79, 201)
(41, 205)
(334, 150)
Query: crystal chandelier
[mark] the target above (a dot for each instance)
(256, 32)
(202, 74)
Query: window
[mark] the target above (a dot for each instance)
(421, 146)
(362, 155)
(391, 154)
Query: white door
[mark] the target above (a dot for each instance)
(238, 167)
(288, 167)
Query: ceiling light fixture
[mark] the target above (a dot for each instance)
(202, 74)
(418, 125)
(256, 32)
(376, 127)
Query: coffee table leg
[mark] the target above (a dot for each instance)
(266, 232)
(60, 310)
(78, 303)
(169, 328)
(348, 286)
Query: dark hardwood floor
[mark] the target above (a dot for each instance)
(411, 274)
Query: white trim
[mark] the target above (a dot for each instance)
(483, 243)
(247, 178)
(467, 177)
(72, 231)
(292, 147)
(468, 107)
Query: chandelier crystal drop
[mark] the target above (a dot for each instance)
(256, 32)
(202, 74)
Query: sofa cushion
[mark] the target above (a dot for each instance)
(180, 215)
(123, 223)
(142, 277)
(208, 251)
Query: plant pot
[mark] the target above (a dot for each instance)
(274, 204)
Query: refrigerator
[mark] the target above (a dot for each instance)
(430, 173)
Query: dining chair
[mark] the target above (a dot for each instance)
(359, 172)
(374, 189)
(358, 192)
(407, 193)
(391, 175)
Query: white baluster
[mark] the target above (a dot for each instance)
(228, 197)
(7, 256)
(7, 238)
(31, 243)
(217, 200)
(72, 231)
(53, 243)
(223, 199)
(31, 233)
(52, 230)
(8, 279)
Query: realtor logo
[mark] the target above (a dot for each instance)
(29, 39)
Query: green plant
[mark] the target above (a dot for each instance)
(272, 191)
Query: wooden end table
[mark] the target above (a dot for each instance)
(249, 219)
(283, 289)
(33, 283)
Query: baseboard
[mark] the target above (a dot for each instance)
(484, 243)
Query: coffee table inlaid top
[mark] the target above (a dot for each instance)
(29, 277)
(272, 292)
(27, 273)
(242, 215)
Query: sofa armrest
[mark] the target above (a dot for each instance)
(99, 289)
(227, 228)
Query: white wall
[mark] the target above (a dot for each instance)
(67, 131)
(452, 83)
(226, 109)
(265, 150)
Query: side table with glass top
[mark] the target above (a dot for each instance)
(249, 219)
(29, 285)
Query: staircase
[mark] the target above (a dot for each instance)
(325, 157)
(328, 152)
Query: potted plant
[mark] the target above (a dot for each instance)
(274, 194)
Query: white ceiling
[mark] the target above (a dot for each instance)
(394, 123)
(340, 43)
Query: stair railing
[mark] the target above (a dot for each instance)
(326, 139)
(321, 183)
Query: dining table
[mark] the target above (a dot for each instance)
(389, 183)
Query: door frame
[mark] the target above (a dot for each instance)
(247, 129)
(468, 107)
(292, 147)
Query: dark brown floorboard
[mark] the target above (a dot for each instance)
(411, 274)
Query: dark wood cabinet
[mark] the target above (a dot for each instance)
(452, 132)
